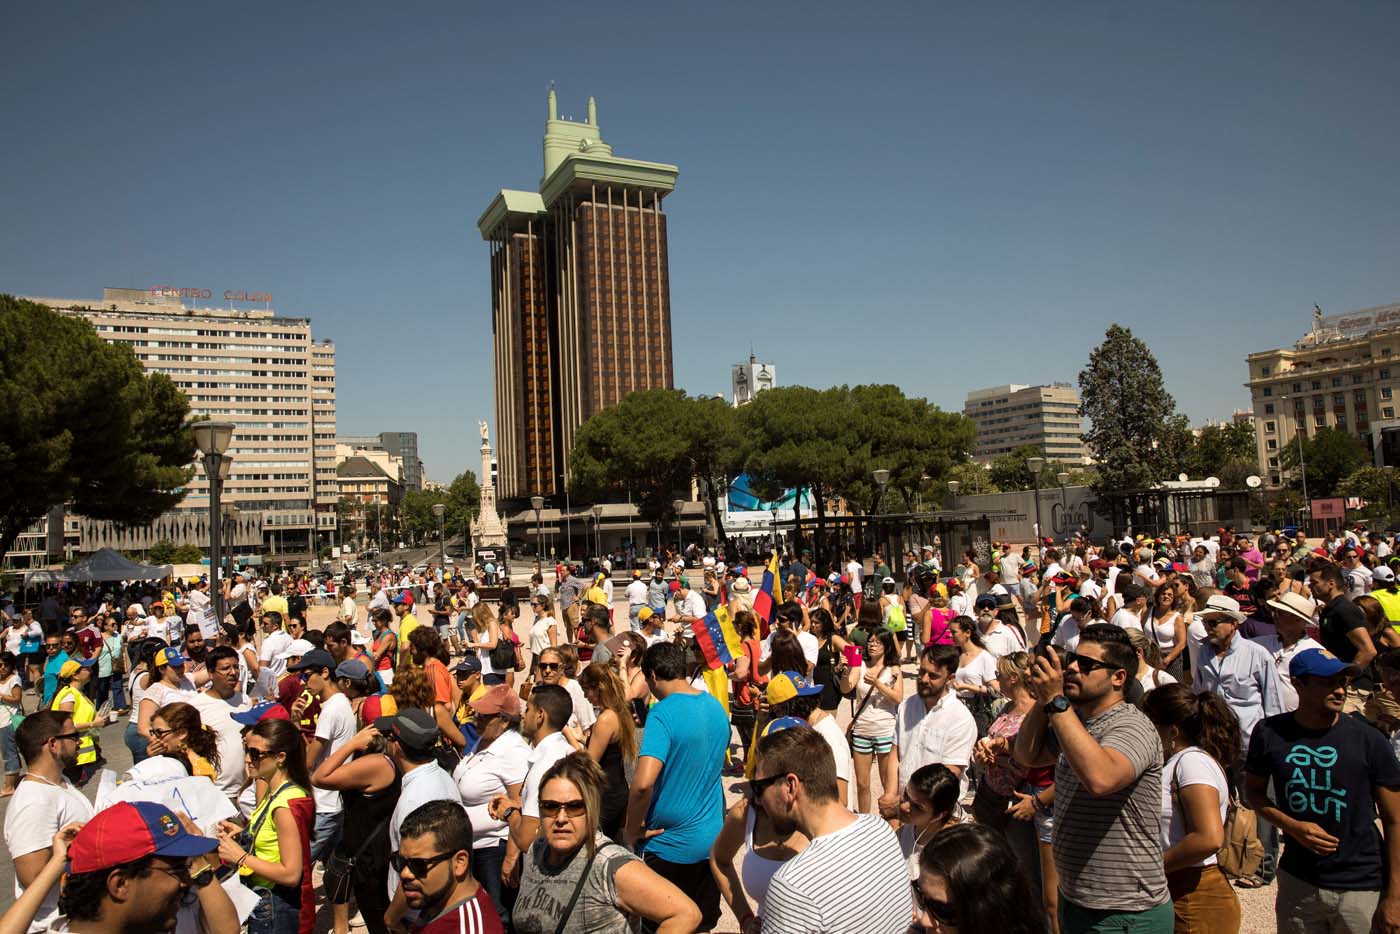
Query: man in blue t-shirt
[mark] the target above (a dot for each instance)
(676, 805)
(1332, 774)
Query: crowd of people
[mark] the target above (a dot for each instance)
(1068, 737)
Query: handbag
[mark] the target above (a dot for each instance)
(578, 890)
(1241, 855)
(503, 654)
(31, 645)
(340, 870)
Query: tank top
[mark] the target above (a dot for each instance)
(757, 871)
(265, 843)
(135, 694)
(614, 789)
(1164, 630)
(365, 819)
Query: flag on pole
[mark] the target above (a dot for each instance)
(770, 594)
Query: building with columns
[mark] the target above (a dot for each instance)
(580, 298)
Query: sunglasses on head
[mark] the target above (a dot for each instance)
(1087, 664)
(417, 866)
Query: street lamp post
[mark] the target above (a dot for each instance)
(438, 510)
(774, 511)
(678, 505)
(882, 477)
(1063, 479)
(213, 440)
(953, 487)
(538, 503)
(598, 531)
(226, 538)
(1035, 465)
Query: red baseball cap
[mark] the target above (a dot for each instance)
(125, 832)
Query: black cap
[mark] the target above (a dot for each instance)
(316, 658)
(413, 728)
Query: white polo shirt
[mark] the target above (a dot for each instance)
(944, 734)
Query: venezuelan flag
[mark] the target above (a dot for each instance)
(713, 641)
(770, 594)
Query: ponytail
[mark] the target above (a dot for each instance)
(1205, 720)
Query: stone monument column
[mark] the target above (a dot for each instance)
(488, 529)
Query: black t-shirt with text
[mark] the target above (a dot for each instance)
(1325, 777)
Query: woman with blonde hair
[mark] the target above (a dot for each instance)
(483, 633)
(1150, 673)
(612, 742)
(613, 885)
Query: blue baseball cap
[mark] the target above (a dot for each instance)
(1320, 662)
(783, 723)
(170, 656)
(789, 684)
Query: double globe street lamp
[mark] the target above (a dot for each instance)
(213, 440)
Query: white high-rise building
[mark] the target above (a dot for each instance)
(249, 366)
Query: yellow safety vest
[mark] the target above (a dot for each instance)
(84, 712)
(1390, 602)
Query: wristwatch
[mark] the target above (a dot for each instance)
(505, 815)
(1057, 705)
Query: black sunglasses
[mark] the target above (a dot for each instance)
(73, 735)
(548, 666)
(575, 808)
(757, 786)
(1087, 664)
(942, 912)
(417, 866)
(257, 755)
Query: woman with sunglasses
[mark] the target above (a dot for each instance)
(969, 881)
(177, 731)
(72, 699)
(369, 784)
(747, 825)
(273, 857)
(572, 855)
(556, 666)
(165, 682)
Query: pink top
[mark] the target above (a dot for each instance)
(940, 623)
(1005, 774)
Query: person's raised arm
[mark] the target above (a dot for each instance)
(643, 891)
(51, 863)
(343, 772)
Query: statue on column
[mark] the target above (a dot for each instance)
(488, 529)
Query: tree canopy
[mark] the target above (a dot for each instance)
(1129, 412)
(1329, 455)
(81, 422)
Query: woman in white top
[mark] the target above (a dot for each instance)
(1149, 672)
(878, 684)
(483, 632)
(1166, 624)
(1200, 737)
(928, 804)
(497, 766)
(544, 631)
(11, 706)
(165, 682)
(976, 677)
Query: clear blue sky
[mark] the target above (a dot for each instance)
(937, 196)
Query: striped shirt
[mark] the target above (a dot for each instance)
(852, 881)
(475, 915)
(1108, 850)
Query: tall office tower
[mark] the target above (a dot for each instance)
(1008, 417)
(580, 298)
(250, 366)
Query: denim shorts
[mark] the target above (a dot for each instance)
(10, 749)
(867, 745)
(274, 913)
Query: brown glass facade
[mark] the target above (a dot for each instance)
(581, 317)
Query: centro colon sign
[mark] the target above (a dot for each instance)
(230, 295)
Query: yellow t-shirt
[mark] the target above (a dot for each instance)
(276, 603)
(265, 845)
(465, 713)
(406, 627)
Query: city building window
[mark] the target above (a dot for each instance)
(1264, 370)
(1268, 390)
(1317, 384)
(1320, 421)
(1339, 398)
(1269, 409)
(1356, 379)
(1385, 372)
(1388, 412)
(1273, 462)
(1270, 427)
(1297, 387)
(1385, 392)
(1271, 444)
(1336, 381)
(1341, 421)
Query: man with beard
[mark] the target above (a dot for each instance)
(434, 862)
(1334, 776)
(1108, 785)
(931, 727)
(44, 802)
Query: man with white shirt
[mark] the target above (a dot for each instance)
(933, 726)
(1093, 588)
(335, 726)
(217, 704)
(1134, 601)
(855, 570)
(1009, 567)
(997, 638)
(275, 642)
(413, 734)
(690, 604)
(1358, 575)
(636, 599)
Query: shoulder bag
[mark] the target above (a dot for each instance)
(857, 711)
(503, 654)
(340, 870)
(1242, 854)
(578, 890)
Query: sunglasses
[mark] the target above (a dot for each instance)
(575, 808)
(257, 755)
(74, 735)
(160, 734)
(942, 912)
(51, 645)
(757, 786)
(548, 666)
(1088, 665)
(420, 866)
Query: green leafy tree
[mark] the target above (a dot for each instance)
(186, 554)
(463, 503)
(82, 423)
(1128, 408)
(417, 512)
(1329, 455)
(162, 552)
